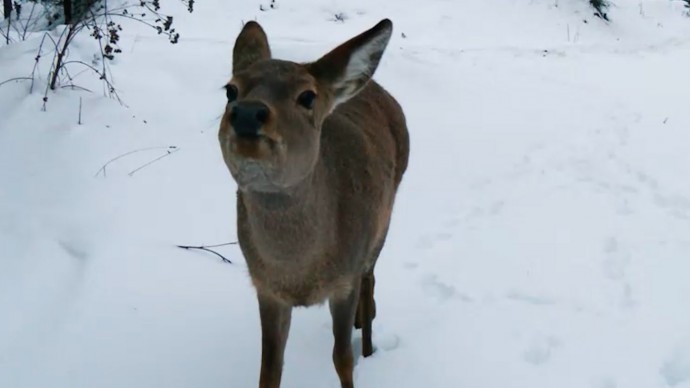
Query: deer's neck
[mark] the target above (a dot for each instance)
(289, 225)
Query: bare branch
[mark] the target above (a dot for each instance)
(37, 59)
(26, 25)
(168, 153)
(73, 86)
(112, 92)
(204, 248)
(103, 168)
(16, 79)
(221, 245)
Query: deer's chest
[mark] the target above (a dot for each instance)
(295, 259)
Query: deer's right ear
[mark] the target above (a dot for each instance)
(251, 46)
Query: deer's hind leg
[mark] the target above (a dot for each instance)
(366, 312)
(366, 306)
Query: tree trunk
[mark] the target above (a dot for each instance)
(61, 56)
(7, 8)
(67, 8)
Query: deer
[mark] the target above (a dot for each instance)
(317, 151)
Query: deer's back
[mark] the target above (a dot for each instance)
(365, 147)
(368, 133)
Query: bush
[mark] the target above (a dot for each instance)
(94, 16)
(600, 7)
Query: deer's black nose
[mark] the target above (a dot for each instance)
(247, 118)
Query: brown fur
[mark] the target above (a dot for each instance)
(316, 190)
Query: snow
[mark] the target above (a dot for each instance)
(541, 236)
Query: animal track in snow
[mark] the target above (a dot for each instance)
(438, 289)
(616, 260)
(382, 341)
(605, 382)
(444, 236)
(442, 291)
(530, 299)
(429, 241)
(453, 222)
(425, 242)
(496, 208)
(678, 206)
(676, 370)
(386, 341)
(72, 249)
(410, 265)
(615, 266)
(540, 351)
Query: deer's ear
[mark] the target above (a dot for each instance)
(348, 67)
(251, 46)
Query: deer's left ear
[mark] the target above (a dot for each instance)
(348, 67)
(251, 46)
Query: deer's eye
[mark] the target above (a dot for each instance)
(306, 99)
(231, 92)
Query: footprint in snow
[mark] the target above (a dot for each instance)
(425, 242)
(386, 341)
(677, 205)
(616, 260)
(676, 370)
(382, 341)
(615, 267)
(453, 222)
(73, 249)
(442, 291)
(541, 350)
(429, 241)
(496, 208)
(444, 236)
(410, 265)
(605, 382)
(533, 300)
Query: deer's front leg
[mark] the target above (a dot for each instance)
(343, 309)
(275, 326)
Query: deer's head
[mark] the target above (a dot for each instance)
(271, 129)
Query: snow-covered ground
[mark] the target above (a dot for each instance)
(541, 236)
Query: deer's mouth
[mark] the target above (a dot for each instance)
(256, 147)
(254, 161)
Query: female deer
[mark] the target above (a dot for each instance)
(318, 151)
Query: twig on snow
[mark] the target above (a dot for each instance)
(206, 248)
(16, 79)
(167, 153)
(103, 168)
(79, 121)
